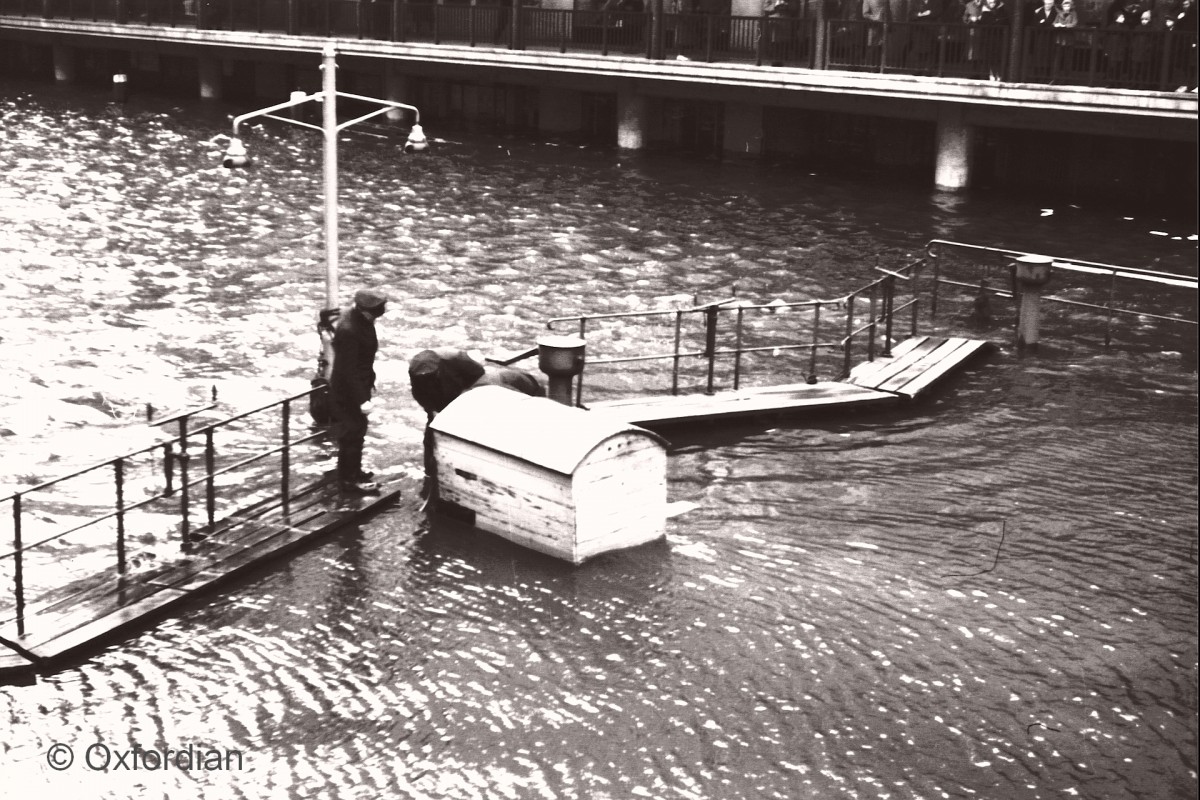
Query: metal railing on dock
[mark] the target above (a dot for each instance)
(1112, 292)
(720, 345)
(162, 481)
(827, 333)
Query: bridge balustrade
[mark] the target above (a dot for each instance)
(1157, 60)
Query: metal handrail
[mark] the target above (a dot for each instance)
(118, 464)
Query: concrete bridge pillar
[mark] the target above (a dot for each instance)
(64, 64)
(743, 129)
(631, 120)
(397, 88)
(953, 170)
(210, 78)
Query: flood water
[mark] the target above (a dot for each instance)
(991, 594)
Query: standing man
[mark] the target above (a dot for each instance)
(351, 384)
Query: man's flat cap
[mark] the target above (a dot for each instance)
(370, 298)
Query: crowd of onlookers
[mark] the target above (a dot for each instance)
(1126, 42)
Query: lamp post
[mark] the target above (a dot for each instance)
(236, 156)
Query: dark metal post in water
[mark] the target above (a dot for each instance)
(119, 477)
(675, 360)
(184, 491)
(847, 344)
(816, 338)
(710, 342)
(872, 324)
(210, 489)
(737, 351)
(286, 454)
(889, 308)
(937, 278)
(18, 571)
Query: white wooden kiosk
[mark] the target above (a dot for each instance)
(548, 476)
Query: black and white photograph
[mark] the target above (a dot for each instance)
(599, 400)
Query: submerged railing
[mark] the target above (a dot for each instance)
(1147, 58)
(712, 346)
(862, 322)
(164, 473)
(1119, 292)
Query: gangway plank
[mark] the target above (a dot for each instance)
(915, 368)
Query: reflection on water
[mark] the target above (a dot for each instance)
(991, 594)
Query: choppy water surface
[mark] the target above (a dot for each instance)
(991, 595)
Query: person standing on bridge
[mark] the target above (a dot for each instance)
(351, 385)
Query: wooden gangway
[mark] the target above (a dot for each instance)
(914, 367)
(94, 609)
(237, 493)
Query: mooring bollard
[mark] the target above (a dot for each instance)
(1030, 273)
(561, 358)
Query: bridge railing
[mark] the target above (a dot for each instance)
(117, 509)
(1149, 60)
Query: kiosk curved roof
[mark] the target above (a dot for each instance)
(533, 429)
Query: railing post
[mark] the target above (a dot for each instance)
(710, 343)
(18, 566)
(168, 469)
(286, 455)
(210, 488)
(812, 354)
(871, 326)
(737, 353)
(847, 345)
(119, 479)
(889, 307)
(675, 367)
(292, 25)
(579, 382)
(184, 489)
(937, 279)
(1112, 291)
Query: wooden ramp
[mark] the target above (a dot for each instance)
(96, 608)
(914, 366)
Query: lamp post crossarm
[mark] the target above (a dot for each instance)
(387, 105)
(269, 111)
